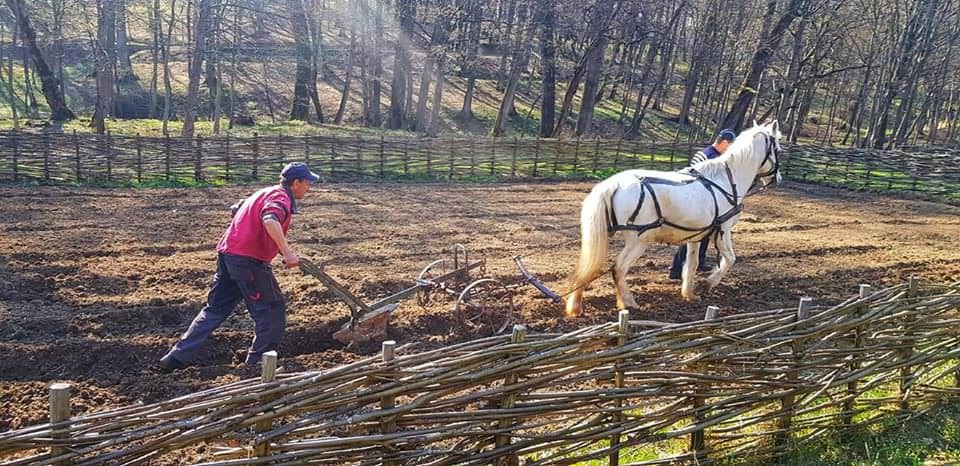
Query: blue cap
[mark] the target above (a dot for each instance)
(298, 171)
(727, 134)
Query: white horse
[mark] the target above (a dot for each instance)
(673, 207)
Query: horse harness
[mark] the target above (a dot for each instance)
(714, 228)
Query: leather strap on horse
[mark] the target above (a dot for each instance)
(713, 228)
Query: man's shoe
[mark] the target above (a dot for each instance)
(675, 275)
(169, 364)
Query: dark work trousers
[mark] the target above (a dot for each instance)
(676, 269)
(237, 278)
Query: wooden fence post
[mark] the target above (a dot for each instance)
(473, 163)
(255, 169)
(306, 149)
(198, 161)
(59, 412)
(359, 160)
(906, 351)
(283, 156)
(513, 164)
(429, 158)
(15, 143)
(787, 402)
(493, 155)
(166, 156)
(616, 155)
(503, 439)
(406, 156)
(109, 144)
(382, 160)
(698, 438)
(623, 333)
(76, 153)
(333, 157)
(226, 160)
(388, 425)
(139, 159)
(596, 156)
(452, 166)
(536, 156)
(849, 405)
(268, 373)
(556, 156)
(46, 157)
(576, 157)
(359, 157)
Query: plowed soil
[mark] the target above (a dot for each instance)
(96, 284)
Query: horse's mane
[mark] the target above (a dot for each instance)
(741, 147)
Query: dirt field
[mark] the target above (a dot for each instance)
(96, 284)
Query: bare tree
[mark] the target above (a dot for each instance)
(105, 59)
(51, 87)
(196, 60)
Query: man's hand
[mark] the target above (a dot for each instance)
(291, 259)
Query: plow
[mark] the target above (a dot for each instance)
(482, 305)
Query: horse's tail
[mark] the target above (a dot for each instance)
(594, 234)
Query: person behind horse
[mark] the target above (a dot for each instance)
(719, 146)
(256, 234)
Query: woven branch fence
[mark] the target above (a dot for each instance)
(58, 157)
(746, 385)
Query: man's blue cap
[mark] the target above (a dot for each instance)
(727, 134)
(298, 171)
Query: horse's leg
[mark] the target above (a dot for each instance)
(633, 248)
(688, 288)
(575, 301)
(727, 259)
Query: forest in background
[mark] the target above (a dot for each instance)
(868, 73)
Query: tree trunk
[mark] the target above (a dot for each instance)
(548, 66)
(434, 128)
(105, 59)
(568, 96)
(376, 68)
(33, 108)
(50, 85)
(9, 82)
(769, 42)
(474, 13)
(165, 51)
(420, 120)
(345, 93)
(300, 109)
(124, 67)
(196, 62)
(401, 66)
(507, 18)
(517, 64)
(155, 34)
(316, 60)
(638, 113)
(594, 68)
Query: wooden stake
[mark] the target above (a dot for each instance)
(846, 419)
(787, 402)
(698, 438)
(59, 412)
(519, 335)
(268, 373)
(388, 425)
(623, 333)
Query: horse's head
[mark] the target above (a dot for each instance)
(768, 172)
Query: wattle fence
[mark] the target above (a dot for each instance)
(114, 159)
(740, 386)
